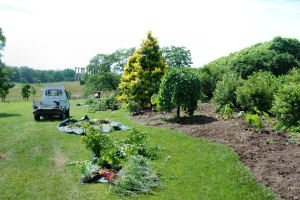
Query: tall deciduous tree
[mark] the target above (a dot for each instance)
(5, 83)
(100, 63)
(2, 42)
(177, 56)
(121, 57)
(2, 73)
(142, 74)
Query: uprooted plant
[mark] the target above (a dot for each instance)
(131, 154)
(136, 177)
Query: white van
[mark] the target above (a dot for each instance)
(54, 102)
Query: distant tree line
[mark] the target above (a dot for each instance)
(29, 75)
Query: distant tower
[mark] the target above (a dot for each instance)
(75, 78)
(82, 73)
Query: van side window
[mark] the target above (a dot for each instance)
(54, 92)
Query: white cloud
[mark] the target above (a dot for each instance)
(59, 34)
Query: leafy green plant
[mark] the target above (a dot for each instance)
(224, 93)
(96, 141)
(136, 177)
(180, 88)
(258, 91)
(254, 121)
(103, 104)
(286, 106)
(134, 107)
(86, 167)
(112, 154)
(155, 100)
(225, 112)
(135, 144)
(89, 101)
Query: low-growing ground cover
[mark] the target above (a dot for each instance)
(34, 156)
(272, 156)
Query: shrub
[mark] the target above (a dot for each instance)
(136, 177)
(180, 87)
(208, 84)
(286, 106)
(96, 141)
(103, 104)
(258, 91)
(90, 101)
(133, 107)
(112, 154)
(142, 74)
(209, 75)
(225, 90)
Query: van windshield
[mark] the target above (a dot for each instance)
(53, 92)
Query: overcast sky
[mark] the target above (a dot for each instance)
(58, 34)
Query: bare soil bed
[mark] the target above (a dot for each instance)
(270, 155)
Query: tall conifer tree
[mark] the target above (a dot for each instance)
(143, 72)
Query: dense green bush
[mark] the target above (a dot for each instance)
(134, 107)
(180, 87)
(96, 141)
(208, 83)
(286, 106)
(257, 92)
(103, 104)
(209, 75)
(112, 153)
(225, 90)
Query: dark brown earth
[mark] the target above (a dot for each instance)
(272, 157)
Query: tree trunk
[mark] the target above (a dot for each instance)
(178, 111)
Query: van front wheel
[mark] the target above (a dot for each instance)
(68, 113)
(62, 115)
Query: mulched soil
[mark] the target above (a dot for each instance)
(270, 155)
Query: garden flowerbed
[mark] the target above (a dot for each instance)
(272, 156)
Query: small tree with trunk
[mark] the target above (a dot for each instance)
(26, 91)
(180, 88)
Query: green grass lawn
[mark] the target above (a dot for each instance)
(35, 155)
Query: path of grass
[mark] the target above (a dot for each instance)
(33, 157)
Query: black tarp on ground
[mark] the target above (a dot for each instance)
(69, 125)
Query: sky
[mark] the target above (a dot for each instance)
(59, 34)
